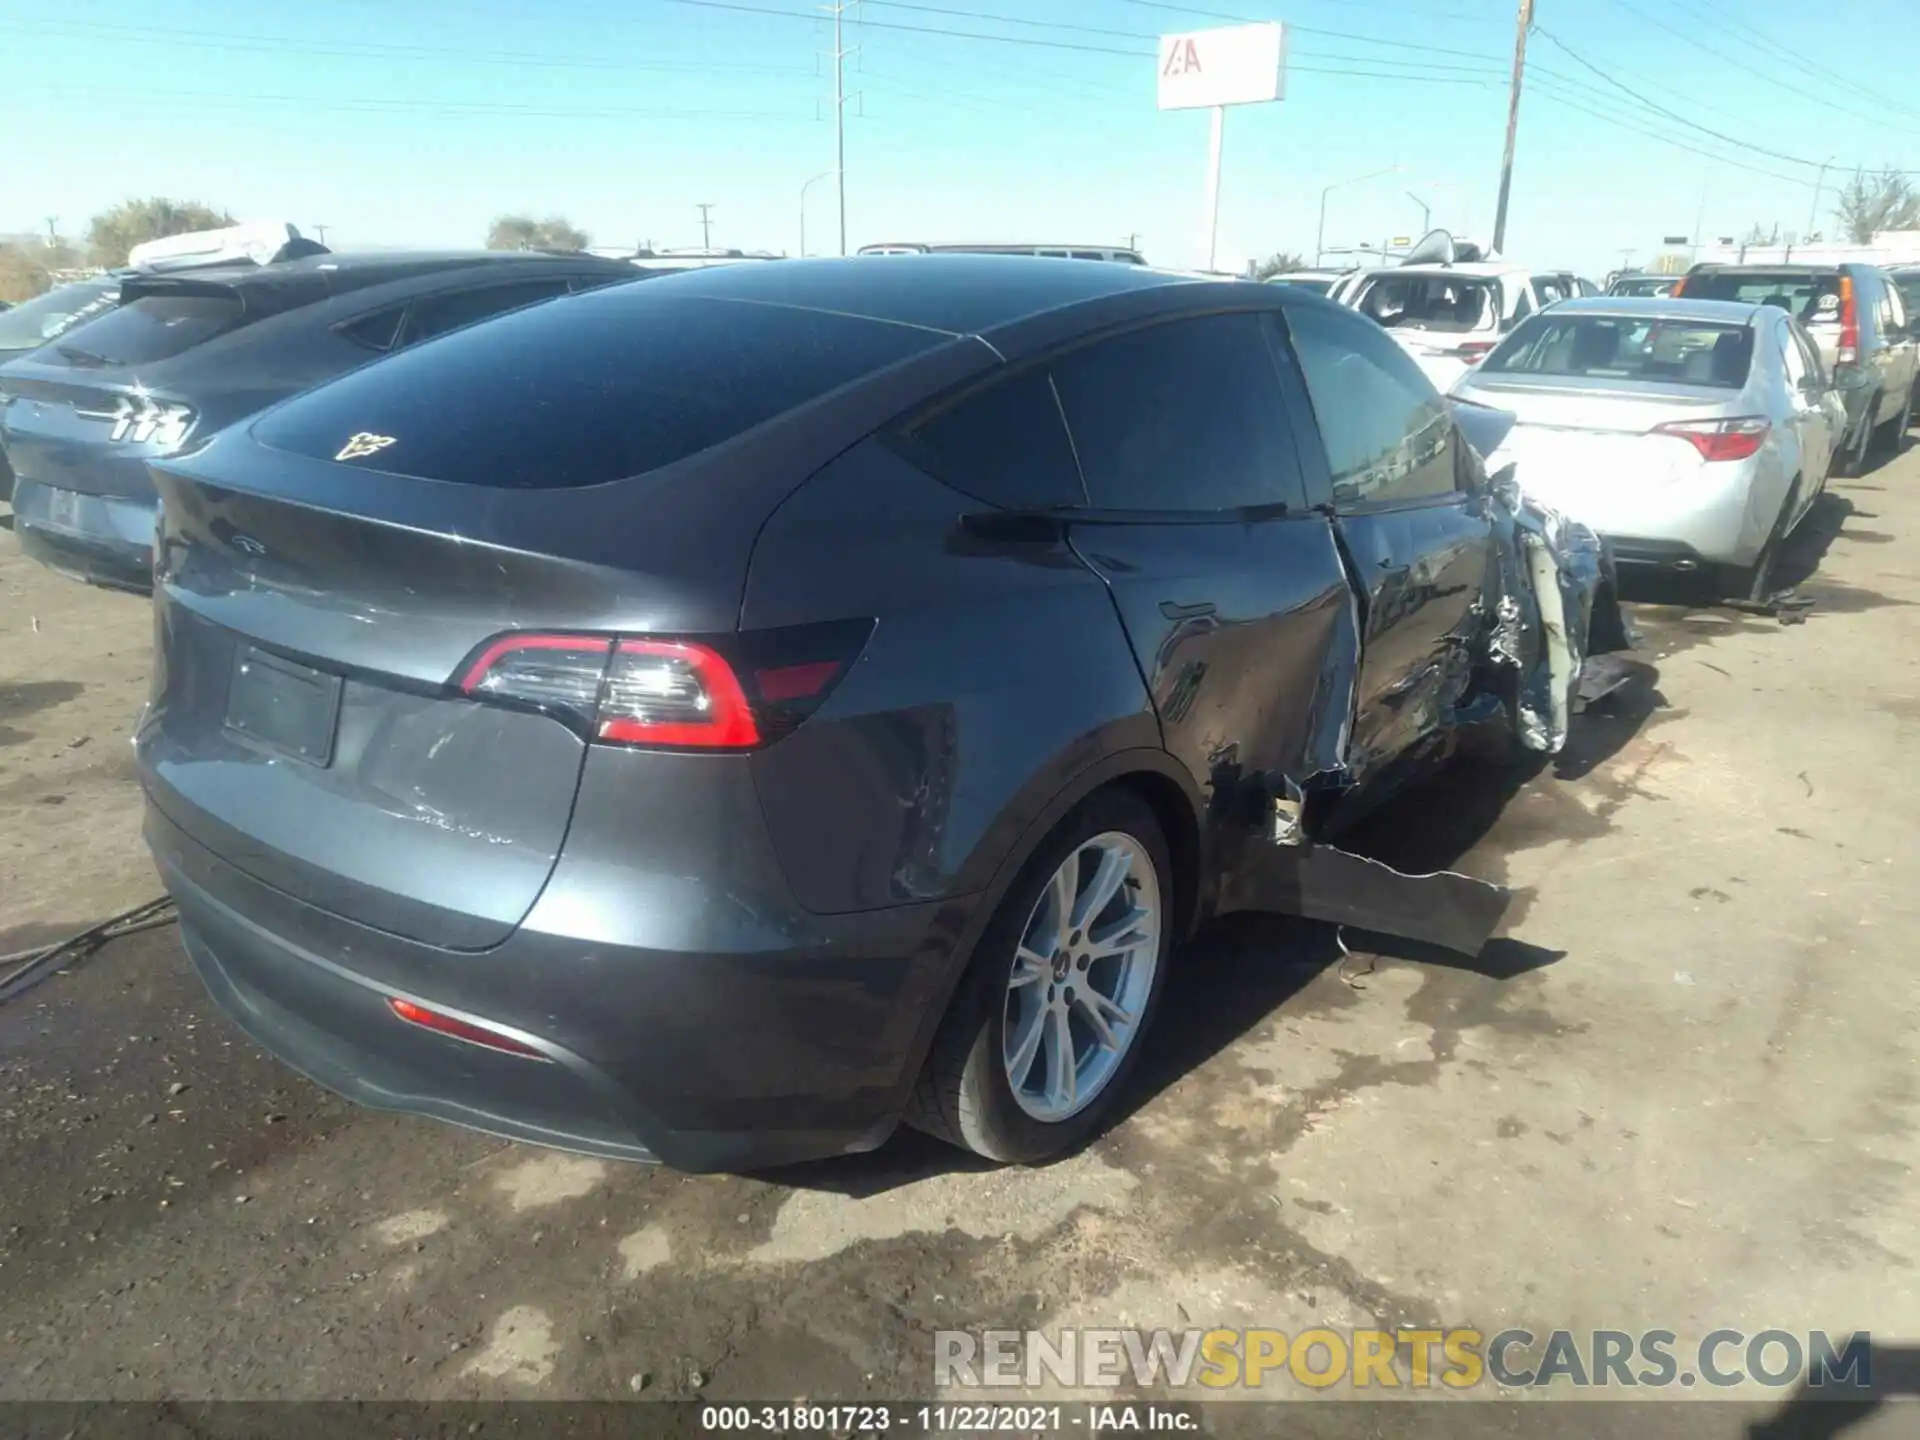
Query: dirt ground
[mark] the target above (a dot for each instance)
(1680, 1092)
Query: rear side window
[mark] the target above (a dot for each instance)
(158, 327)
(436, 314)
(32, 323)
(589, 389)
(1388, 434)
(377, 331)
(1005, 444)
(1182, 416)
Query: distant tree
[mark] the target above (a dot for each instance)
(112, 233)
(523, 232)
(1278, 263)
(1872, 203)
(22, 273)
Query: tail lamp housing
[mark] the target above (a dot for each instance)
(1718, 440)
(732, 693)
(1473, 351)
(1848, 351)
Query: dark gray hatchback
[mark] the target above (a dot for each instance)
(707, 720)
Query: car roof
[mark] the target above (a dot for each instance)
(1473, 269)
(960, 294)
(1760, 267)
(1724, 312)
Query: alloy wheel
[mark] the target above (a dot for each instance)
(1082, 975)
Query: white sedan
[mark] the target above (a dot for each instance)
(1693, 434)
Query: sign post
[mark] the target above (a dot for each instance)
(1212, 69)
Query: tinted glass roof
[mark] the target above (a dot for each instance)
(963, 294)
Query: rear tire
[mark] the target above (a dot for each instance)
(1856, 457)
(1020, 984)
(1753, 583)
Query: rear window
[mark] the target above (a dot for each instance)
(1629, 349)
(143, 331)
(1453, 303)
(1811, 299)
(1642, 288)
(32, 323)
(589, 389)
(1318, 287)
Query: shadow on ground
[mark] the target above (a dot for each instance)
(1241, 968)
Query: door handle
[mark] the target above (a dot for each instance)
(1199, 609)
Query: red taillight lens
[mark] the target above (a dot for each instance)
(734, 693)
(1848, 352)
(1720, 439)
(1679, 288)
(672, 692)
(1474, 351)
(461, 1029)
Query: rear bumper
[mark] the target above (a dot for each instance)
(100, 538)
(1671, 555)
(702, 1061)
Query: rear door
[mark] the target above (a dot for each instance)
(1818, 415)
(1897, 342)
(1232, 592)
(1419, 545)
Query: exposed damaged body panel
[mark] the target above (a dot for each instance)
(1497, 610)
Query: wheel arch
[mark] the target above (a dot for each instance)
(1166, 788)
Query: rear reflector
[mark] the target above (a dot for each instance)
(1734, 439)
(1473, 351)
(461, 1029)
(669, 693)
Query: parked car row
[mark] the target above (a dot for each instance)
(716, 718)
(1692, 420)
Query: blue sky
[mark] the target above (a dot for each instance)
(417, 122)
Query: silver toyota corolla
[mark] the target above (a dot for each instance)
(1694, 434)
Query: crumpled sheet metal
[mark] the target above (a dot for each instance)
(1551, 575)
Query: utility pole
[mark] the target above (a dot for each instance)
(706, 227)
(838, 10)
(53, 231)
(1813, 211)
(323, 232)
(1513, 126)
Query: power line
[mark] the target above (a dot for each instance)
(1761, 41)
(395, 105)
(1399, 10)
(1555, 96)
(1673, 115)
(287, 44)
(1743, 63)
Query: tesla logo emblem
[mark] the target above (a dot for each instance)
(363, 444)
(1182, 59)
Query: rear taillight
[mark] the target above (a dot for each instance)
(465, 1030)
(1473, 351)
(1720, 439)
(738, 692)
(1848, 352)
(1679, 288)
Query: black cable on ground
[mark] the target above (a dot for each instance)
(39, 963)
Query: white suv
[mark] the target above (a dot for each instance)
(1449, 316)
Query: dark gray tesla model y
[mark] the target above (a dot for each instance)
(715, 719)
